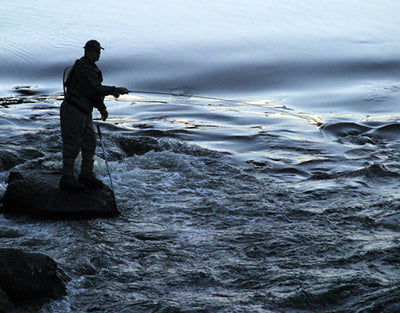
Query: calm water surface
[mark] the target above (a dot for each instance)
(267, 181)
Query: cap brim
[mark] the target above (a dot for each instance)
(94, 48)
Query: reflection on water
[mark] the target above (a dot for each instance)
(222, 49)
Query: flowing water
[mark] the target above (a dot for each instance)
(267, 181)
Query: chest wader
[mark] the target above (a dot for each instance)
(77, 133)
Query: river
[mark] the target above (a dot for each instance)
(261, 176)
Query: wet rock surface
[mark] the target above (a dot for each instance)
(28, 277)
(36, 193)
(6, 306)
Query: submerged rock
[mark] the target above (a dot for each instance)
(28, 277)
(37, 194)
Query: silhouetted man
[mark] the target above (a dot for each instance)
(83, 92)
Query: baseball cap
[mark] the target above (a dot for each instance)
(93, 45)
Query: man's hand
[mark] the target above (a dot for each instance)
(120, 91)
(104, 114)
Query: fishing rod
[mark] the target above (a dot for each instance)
(108, 168)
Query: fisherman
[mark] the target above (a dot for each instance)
(83, 92)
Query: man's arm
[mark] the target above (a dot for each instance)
(91, 84)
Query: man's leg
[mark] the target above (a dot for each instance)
(88, 146)
(71, 134)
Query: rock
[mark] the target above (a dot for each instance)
(138, 145)
(36, 193)
(10, 233)
(10, 157)
(30, 277)
(6, 306)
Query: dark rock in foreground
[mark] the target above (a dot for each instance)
(28, 277)
(6, 306)
(37, 194)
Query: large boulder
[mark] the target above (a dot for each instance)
(36, 193)
(29, 277)
(6, 306)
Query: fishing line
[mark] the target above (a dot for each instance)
(298, 115)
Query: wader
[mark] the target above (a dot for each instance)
(77, 135)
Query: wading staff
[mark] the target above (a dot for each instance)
(108, 168)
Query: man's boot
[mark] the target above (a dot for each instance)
(70, 183)
(90, 180)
